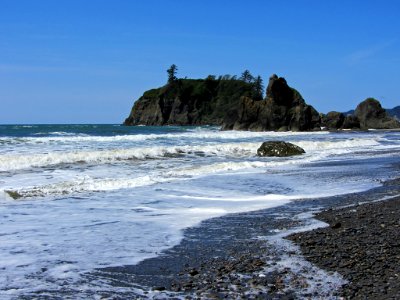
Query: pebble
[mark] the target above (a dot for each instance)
(365, 249)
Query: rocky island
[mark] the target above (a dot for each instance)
(238, 104)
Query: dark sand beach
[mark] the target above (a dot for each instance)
(247, 255)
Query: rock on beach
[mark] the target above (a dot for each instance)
(279, 149)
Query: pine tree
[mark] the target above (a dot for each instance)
(172, 73)
(258, 88)
(247, 77)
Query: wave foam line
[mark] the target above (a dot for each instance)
(60, 137)
(89, 184)
(24, 161)
(80, 185)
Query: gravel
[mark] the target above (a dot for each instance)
(362, 243)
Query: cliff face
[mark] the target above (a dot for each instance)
(283, 109)
(189, 102)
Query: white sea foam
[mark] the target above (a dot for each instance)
(84, 184)
(10, 162)
(65, 137)
(4, 196)
(23, 161)
(339, 144)
(302, 276)
(88, 183)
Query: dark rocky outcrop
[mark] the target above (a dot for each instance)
(371, 115)
(283, 109)
(351, 122)
(232, 103)
(333, 120)
(189, 102)
(13, 194)
(279, 148)
(225, 101)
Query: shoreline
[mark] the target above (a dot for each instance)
(362, 243)
(228, 256)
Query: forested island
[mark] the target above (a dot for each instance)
(238, 103)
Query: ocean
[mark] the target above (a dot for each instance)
(75, 198)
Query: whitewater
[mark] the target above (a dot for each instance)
(74, 198)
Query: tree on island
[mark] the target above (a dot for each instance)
(247, 77)
(256, 82)
(172, 73)
(258, 88)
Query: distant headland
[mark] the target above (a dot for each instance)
(238, 103)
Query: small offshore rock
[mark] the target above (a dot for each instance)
(13, 194)
(279, 149)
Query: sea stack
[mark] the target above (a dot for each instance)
(227, 102)
(283, 109)
(237, 104)
(189, 102)
(371, 115)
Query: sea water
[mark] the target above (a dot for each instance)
(74, 198)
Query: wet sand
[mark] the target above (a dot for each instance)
(241, 256)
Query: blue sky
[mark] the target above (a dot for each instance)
(87, 61)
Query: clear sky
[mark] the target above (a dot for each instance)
(65, 61)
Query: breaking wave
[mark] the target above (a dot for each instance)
(24, 161)
(65, 137)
